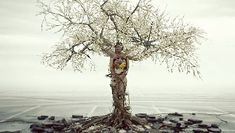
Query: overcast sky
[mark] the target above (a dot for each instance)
(22, 43)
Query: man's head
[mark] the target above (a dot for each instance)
(118, 47)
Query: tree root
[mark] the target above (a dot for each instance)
(117, 123)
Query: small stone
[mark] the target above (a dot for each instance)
(140, 129)
(160, 120)
(49, 130)
(198, 130)
(181, 119)
(152, 116)
(195, 121)
(203, 126)
(48, 124)
(173, 121)
(58, 126)
(188, 123)
(141, 115)
(42, 117)
(37, 129)
(166, 131)
(156, 126)
(167, 123)
(94, 117)
(52, 118)
(214, 126)
(147, 126)
(77, 116)
(193, 113)
(152, 120)
(112, 130)
(11, 131)
(79, 120)
(91, 128)
(183, 126)
(176, 130)
(129, 131)
(34, 125)
(64, 121)
(122, 131)
(152, 131)
(175, 114)
(105, 130)
(214, 130)
(178, 124)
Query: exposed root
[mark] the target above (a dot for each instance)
(117, 123)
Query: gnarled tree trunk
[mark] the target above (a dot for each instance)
(121, 117)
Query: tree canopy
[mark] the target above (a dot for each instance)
(92, 27)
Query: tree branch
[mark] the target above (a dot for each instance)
(133, 11)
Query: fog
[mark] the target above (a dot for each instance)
(22, 44)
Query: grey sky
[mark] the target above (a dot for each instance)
(22, 42)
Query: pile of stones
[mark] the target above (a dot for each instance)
(168, 123)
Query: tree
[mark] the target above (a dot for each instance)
(93, 27)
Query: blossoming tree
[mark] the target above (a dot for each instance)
(94, 27)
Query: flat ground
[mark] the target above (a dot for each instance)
(17, 108)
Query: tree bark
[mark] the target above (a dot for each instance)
(121, 117)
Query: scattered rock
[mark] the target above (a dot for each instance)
(42, 117)
(122, 131)
(11, 131)
(188, 123)
(173, 121)
(82, 120)
(175, 114)
(169, 123)
(48, 124)
(58, 126)
(214, 130)
(141, 115)
(52, 118)
(140, 129)
(37, 129)
(112, 130)
(214, 126)
(64, 121)
(203, 126)
(167, 131)
(181, 119)
(77, 116)
(49, 130)
(34, 125)
(105, 130)
(152, 120)
(151, 131)
(147, 127)
(160, 120)
(199, 130)
(151, 116)
(156, 126)
(195, 121)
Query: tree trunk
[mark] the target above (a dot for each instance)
(121, 117)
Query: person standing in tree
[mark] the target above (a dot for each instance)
(119, 65)
(90, 27)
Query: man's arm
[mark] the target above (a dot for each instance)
(127, 64)
(111, 65)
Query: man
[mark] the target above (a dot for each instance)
(119, 65)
